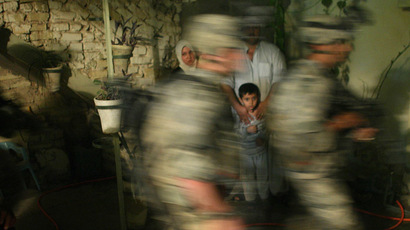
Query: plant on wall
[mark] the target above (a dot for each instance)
(125, 34)
(386, 71)
(278, 23)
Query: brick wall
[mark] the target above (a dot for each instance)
(72, 29)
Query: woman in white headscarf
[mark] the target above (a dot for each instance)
(186, 57)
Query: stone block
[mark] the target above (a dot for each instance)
(40, 6)
(67, 36)
(91, 64)
(75, 7)
(76, 56)
(133, 69)
(75, 27)
(38, 17)
(25, 1)
(95, 10)
(75, 47)
(26, 7)
(139, 13)
(20, 28)
(77, 64)
(87, 36)
(62, 26)
(20, 84)
(41, 35)
(149, 73)
(101, 64)
(145, 31)
(97, 74)
(94, 46)
(38, 26)
(145, 82)
(141, 60)
(126, 14)
(13, 17)
(94, 55)
(57, 36)
(57, 15)
(53, 5)
(139, 50)
(10, 6)
(55, 46)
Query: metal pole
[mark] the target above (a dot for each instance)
(110, 75)
(120, 185)
(107, 26)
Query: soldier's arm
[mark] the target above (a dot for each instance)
(204, 196)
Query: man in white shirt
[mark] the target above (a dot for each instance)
(264, 66)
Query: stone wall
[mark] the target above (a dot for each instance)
(75, 29)
(66, 122)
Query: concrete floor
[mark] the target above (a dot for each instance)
(94, 206)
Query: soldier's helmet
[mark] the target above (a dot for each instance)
(324, 29)
(327, 29)
(208, 32)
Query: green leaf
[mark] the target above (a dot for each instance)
(341, 4)
(327, 3)
(97, 82)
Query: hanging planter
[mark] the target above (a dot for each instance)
(121, 55)
(108, 104)
(52, 77)
(110, 114)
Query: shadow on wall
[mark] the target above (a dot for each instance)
(395, 99)
(36, 60)
(395, 95)
(26, 60)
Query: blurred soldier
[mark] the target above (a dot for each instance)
(310, 111)
(179, 134)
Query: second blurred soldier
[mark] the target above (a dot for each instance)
(180, 130)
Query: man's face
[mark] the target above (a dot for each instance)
(252, 34)
(188, 56)
(249, 101)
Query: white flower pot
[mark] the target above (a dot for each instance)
(110, 114)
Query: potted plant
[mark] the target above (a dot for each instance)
(123, 43)
(108, 103)
(51, 66)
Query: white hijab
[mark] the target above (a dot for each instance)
(178, 50)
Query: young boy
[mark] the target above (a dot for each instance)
(254, 163)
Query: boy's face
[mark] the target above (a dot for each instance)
(249, 101)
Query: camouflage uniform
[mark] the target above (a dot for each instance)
(310, 154)
(180, 138)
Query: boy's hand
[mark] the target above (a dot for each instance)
(252, 129)
(244, 116)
